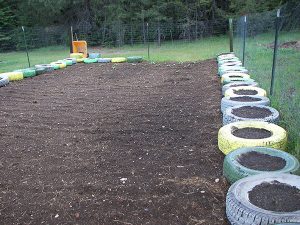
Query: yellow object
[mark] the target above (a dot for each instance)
(80, 60)
(61, 64)
(118, 60)
(227, 142)
(230, 91)
(76, 55)
(80, 47)
(13, 76)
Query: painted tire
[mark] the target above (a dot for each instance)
(29, 72)
(3, 80)
(74, 61)
(134, 59)
(239, 210)
(104, 60)
(225, 81)
(14, 76)
(237, 84)
(229, 117)
(76, 55)
(80, 60)
(227, 64)
(227, 102)
(94, 55)
(234, 171)
(227, 142)
(88, 60)
(118, 60)
(234, 75)
(225, 56)
(67, 62)
(230, 91)
(47, 67)
(40, 71)
(230, 60)
(60, 64)
(231, 69)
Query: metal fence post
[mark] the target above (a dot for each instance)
(26, 46)
(148, 43)
(277, 23)
(230, 35)
(244, 37)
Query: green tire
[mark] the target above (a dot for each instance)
(88, 60)
(234, 171)
(134, 59)
(55, 66)
(40, 71)
(29, 72)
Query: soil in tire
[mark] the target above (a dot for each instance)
(260, 161)
(251, 133)
(239, 85)
(245, 92)
(275, 196)
(251, 112)
(245, 99)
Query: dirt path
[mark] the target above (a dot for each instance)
(113, 144)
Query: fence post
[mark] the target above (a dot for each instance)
(277, 22)
(230, 35)
(148, 41)
(26, 46)
(244, 37)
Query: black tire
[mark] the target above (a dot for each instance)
(233, 170)
(3, 80)
(239, 210)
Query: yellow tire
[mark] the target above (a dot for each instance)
(80, 60)
(60, 64)
(76, 55)
(228, 142)
(14, 76)
(118, 60)
(231, 91)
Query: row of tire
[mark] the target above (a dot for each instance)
(242, 94)
(16, 75)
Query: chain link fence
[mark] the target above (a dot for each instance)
(254, 43)
(52, 43)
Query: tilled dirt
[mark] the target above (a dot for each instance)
(113, 144)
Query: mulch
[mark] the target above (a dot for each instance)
(113, 144)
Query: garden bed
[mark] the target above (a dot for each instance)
(113, 144)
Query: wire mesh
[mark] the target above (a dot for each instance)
(259, 53)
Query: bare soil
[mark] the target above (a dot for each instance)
(251, 133)
(260, 161)
(276, 196)
(245, 99)
(113, 144)
(251, 112)
(245, 92)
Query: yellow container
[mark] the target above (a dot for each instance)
(80, 47)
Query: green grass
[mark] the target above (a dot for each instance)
(179, 51)
(286, 96)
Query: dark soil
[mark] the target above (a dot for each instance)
(245, 99)
(245, 92)
(251, 112)
(251, 133)
(234, 76)
(113, 144)
(260, 161)
(276, 196)
(238, 85)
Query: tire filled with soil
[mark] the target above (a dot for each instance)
(245, 92)
(275, 196)
(252, 112)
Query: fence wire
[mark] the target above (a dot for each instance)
(259, 53)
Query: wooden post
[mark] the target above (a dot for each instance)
(71, 44)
